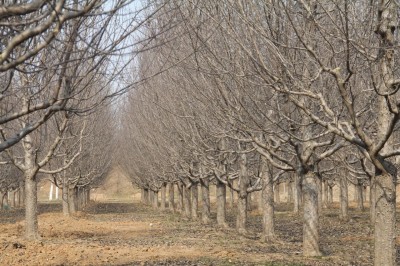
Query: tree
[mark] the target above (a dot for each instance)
(37, 153)
(52, 51)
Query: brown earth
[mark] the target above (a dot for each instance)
(129, 233)
(119, 230)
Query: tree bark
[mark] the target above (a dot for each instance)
(57, 190)
(221, 204)
(249, 201)
(171, 195)
(277, 193)
(241, 220)
(385, 220)
(142, 196)
(151, 197)
(344, 198)
(51, 191)
(360, 196)
(79, 202)
(310, 226)
(186, 202)
(372, 202)
(290, 192)
(20, 194)
(386, 173)
(231, 198)
(88, 195)
(163, 196)
(325, 194)
(81, 198)
(297, 194)
(205, 195)
(3, 197)
(180, 197)
(31, 210)
(330, 194)
(72, 200)
(84, 197)
(195, 201)
(146, 196)
(6, 201)
(268, 233)
(12, 202)
(319, 187)
(65, 200)
(155, 199)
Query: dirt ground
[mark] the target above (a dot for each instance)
(127, 233)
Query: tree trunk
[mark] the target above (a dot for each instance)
(385, 182)
(205, 195)
(249, 201)
(171, 195)
(31, 211)
(241, 220)
(297, 194)
(330, 194)
(195, 201)
(21, 194)
(51, 191)
(18, 198)
(12, 199)
(15, 198)
(259, 199)
(268, 233)
(72, 200)
(290, 192)
(155, 199)
(7, 203)
(385, 220)
(372, 200)
(151, 197)
(142, 196)
(319, 187)
(344, 199)
(325, 194)
(80, 199)
(277, 193)
(231, 198)
(365, 193)
(84, 197)
(57, 190)
(146, 196)
(79, 202)
(2, 199)
(88, 195)
(163, 196)
(186, 203)
(310, 226)
(65, 200)
(221, 204)
(360, 196)
(180, 197)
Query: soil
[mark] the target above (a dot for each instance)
(129, 233)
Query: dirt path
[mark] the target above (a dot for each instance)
(133, 234)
